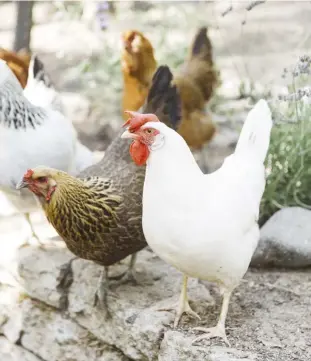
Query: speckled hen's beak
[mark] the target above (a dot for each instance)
(21, 184)
(129, 135)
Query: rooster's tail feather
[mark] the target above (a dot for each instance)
(202, 46)
(163, 99)
(254, 139)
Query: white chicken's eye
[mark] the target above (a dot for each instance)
(149, 131)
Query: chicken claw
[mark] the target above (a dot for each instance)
(217, 331)
(33, 234)
(183, 305)
(65, 277)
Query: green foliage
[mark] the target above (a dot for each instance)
(289, 160)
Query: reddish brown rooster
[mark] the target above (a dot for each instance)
(18, 63)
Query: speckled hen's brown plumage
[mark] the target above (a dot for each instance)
(99, 214)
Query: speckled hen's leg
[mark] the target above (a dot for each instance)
(219, 330)
(100, 299)
(129, 274)
(183, 304)
(65, 277)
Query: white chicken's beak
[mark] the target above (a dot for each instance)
(21, 184)
(129, 135)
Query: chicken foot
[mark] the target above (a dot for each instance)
(65, 277)
(129, 275)
(219, 330)
(183, 304)
(33, 233)
(101, 294)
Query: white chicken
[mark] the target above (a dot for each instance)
(31, 135)
(204, 225)
(40, 91)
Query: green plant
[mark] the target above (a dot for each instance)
(288, 163)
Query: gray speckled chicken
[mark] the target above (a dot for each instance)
(99, 214)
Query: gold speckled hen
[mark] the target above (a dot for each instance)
(99, 214)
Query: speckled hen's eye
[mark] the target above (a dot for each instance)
(41, 179)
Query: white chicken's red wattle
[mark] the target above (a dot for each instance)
(139, 152)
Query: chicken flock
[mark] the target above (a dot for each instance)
(148, 188)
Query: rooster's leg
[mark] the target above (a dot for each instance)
(33, 233)
(183, 305)
(129, 274)
(219, 330)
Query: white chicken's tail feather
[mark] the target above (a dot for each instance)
(254, 138)
(39, 89)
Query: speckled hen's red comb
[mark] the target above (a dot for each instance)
(28, 174)
(136, 120)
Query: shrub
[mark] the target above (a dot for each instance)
(288, 163)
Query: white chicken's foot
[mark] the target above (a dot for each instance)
(219, 330)
(183, 305)
(212, 332)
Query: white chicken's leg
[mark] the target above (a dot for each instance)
(183, 304)
(219, 330)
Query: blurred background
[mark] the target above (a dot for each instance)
(80, 45)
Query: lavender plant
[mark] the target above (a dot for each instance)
(289, 160)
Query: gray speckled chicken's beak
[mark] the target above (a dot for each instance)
(21, 184)
(129, 135)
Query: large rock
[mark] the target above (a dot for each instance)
(43, 333)
(285, 240)
(11, 352)
(264, 314)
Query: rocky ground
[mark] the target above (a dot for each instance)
(269, 318)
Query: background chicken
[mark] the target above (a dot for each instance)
(196, 82)
(18, 63)
(138, 67)
(204, 225)
(31, 135)
(99, 214)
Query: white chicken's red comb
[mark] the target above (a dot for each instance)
(136, 120)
